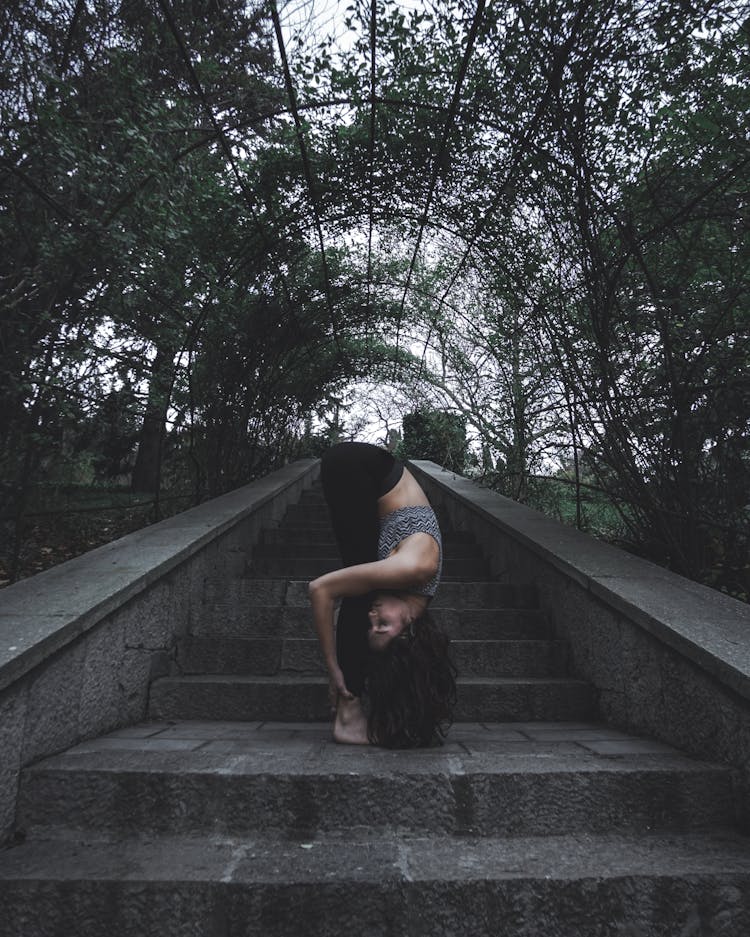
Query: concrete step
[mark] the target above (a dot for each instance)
(272, 655)
(286, 536)
(456, 595)
(312, 496)
(241, 619)
(244, 778)
(306, 515)
(309, 567)
(578, 885)
(304, 698)
(509, 699)
(531, 820)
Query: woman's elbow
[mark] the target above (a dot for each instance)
(321, 589)
(313, 588)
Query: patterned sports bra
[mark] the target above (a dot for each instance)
(402, 523)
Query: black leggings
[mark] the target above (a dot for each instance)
(354, 476)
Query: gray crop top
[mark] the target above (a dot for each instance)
(402, 523)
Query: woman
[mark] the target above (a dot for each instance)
(383, 640)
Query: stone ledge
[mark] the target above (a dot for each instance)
(185, 861)
(700, 623)
(42, 614)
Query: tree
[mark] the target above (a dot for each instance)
(435, 435)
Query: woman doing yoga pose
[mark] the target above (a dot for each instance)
(384, 641)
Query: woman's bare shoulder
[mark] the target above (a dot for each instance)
(405, 494)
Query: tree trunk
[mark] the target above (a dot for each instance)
(147, 468)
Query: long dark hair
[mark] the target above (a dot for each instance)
(411, 689)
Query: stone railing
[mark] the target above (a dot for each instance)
(80, 643)
(668, 657)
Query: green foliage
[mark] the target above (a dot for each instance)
(434, 435)
(549, 245)
(557, 497)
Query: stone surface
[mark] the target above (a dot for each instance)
(703, 624)
(239, 697)
(52, 704)
(220, 696)
(12, 725)
(606, 886)
(524, 827)
(41, 614)
(302, 655)
(230, 655)
(270, 655)
(484, 595)
(507, 698)
(150, 621)
(240, 617)
(82, 641)
(666, 656)
(216, 778)
(508, 657)
(103, 699)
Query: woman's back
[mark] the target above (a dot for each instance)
(405, 522)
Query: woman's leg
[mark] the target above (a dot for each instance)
(352, 475)
(350, 726)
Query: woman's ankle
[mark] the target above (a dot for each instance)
(350, 725)
(348, 709)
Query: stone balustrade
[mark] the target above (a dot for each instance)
(80, 643)
(668, 657)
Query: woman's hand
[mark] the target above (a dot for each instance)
(337, 687)
(322, 601)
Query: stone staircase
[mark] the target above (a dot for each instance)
(233, 813)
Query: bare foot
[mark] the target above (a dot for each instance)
(350, 727)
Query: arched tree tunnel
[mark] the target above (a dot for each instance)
(232, 229)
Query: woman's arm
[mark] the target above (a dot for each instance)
(323, 602)
(412, 564)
